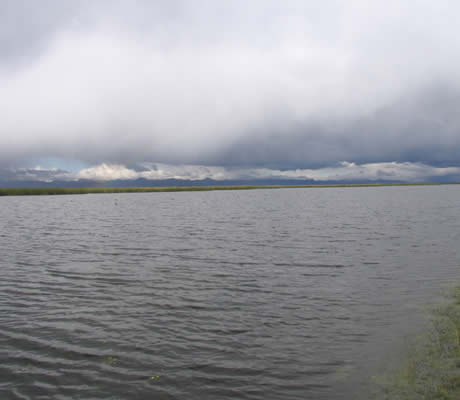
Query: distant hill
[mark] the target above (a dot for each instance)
(178, 183)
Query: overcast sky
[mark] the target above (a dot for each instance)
(260, 85)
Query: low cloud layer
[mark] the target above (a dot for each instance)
(345, 171)
(264, 85)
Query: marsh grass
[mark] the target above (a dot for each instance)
(432, 368)
(62, 191)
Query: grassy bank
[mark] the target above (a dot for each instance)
(56, 191)
(432, 369)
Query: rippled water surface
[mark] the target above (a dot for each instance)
(267, 294)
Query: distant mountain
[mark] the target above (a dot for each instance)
(141, 182)
(40, 184)
(236, 182)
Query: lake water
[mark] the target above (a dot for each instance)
(264, 294)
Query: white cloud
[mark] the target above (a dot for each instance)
(390, 171)
(106, 172)
(346, 171)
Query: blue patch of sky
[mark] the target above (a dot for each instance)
(69, 165)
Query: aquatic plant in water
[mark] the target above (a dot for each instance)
(432, 369)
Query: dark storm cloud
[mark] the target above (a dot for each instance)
(421, 127)
(293, 84)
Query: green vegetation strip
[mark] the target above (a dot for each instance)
(55, 191)
(432, 369)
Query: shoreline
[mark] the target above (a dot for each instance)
(99, 190)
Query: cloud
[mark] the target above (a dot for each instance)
(345, 171)
(37, 174)
(281, 85)
(106, 172)
(390, 171)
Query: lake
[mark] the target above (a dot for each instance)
(262, 294)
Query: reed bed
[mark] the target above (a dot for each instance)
(432, 368)
(62, 191)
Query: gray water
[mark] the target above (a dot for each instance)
(267, 294)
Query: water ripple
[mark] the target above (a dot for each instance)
(293, 294)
